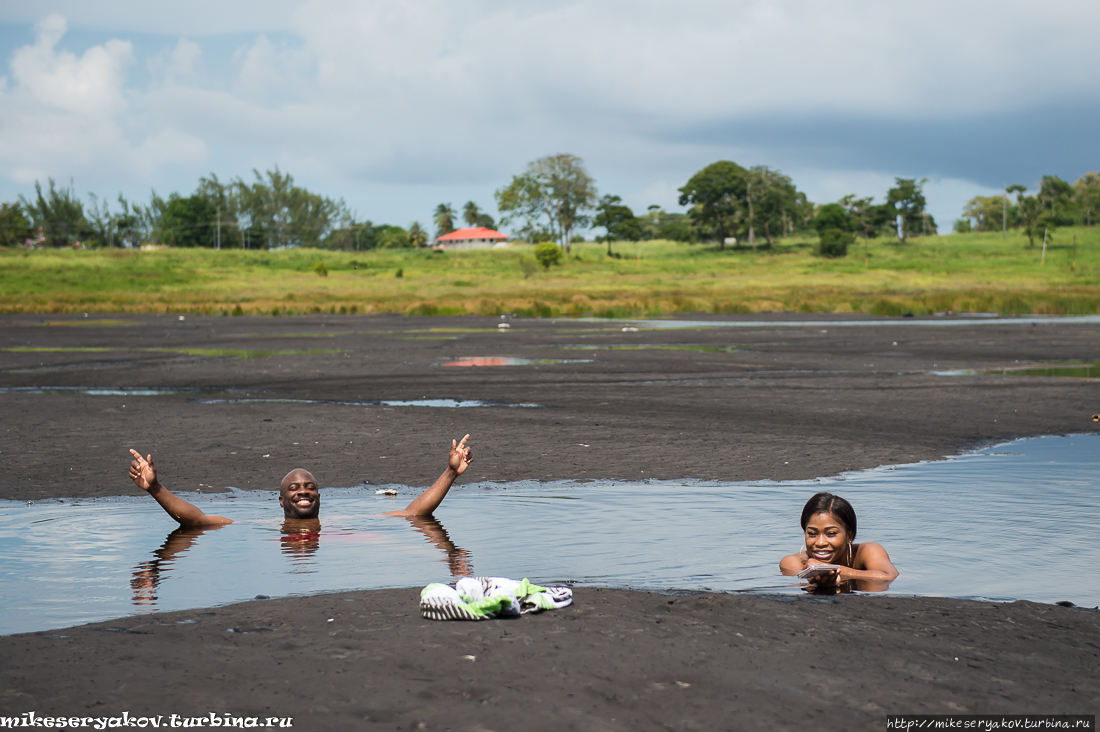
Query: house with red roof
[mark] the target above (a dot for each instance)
(478, 237)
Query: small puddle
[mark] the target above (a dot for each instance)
(102, 323)
(111, 391)
(1076, 370)
(702, 347)
(57, 349)
(444, 403)
(246, 353)
(241, 353)
(194, 391)
(510, 361)
(943, 523)
(965, 319)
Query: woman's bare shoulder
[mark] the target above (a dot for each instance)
(867, 549)
(793, 563)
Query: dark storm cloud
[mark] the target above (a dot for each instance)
(991, 149)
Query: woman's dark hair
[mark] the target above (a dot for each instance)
(837, 506)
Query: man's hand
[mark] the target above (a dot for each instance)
(457, 462)
(459, 459)
(142, 471)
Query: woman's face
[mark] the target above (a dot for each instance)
(826, 539)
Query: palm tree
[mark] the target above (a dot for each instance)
(444, 219)
(471, 213)
(417, 236)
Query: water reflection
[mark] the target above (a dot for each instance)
(460, 561)
(299, 541)
(66, 562)
(148, 574)
(511, 361)
(827, 586)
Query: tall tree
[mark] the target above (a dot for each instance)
(773, 202)
(59, 214)
(833, 216)
(1007, 212)
(417, 236)
(618, 220)
(226, 202)
(868, 219)
(444, 219)
(101, 224)
(1086, 192)
(127, 224)
(718, 193)
(907, 200)
(474, 216)
(188, 222)
(150, 216)
(15, 227)
(1057, 199)
(989, 213)
(556, 188)
(470, 213)
(1030, 217)
(392, 237)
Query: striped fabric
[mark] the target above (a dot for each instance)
(481, 598)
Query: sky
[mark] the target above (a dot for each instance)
(399, 106)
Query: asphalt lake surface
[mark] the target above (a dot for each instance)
(1014, 521)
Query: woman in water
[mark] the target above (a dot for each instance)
(830, 526)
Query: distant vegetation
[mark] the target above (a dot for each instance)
(270, 212)
(976, 272)
(1056, 204)
(749, 241)
(551, 200)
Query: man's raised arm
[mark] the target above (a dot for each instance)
(457, 462)
(144, 475)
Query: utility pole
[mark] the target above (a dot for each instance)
(1004, 215)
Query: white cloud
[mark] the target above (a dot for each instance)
(65, 115)
(376, 100)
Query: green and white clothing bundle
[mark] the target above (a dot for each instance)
(481, 598)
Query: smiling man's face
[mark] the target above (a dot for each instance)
(299, 496)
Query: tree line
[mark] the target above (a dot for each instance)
(1057, 203)
(269, 212)
(727, 203)
(552, 199)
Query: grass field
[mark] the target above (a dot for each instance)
(961, 273)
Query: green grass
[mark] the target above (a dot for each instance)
(961, 273)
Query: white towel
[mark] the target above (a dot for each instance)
(480, 598)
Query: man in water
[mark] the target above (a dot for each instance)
(298, 493)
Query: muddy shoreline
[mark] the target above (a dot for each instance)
(711, 403)
(764, 402)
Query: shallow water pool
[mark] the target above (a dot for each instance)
(1016, 521)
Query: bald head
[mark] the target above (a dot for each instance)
(296, 476)
(299, 495)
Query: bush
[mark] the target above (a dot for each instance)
(832, 216)
(321, 269)
(548, 253)
(529, 266)
(834, 243)
(963, 226)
